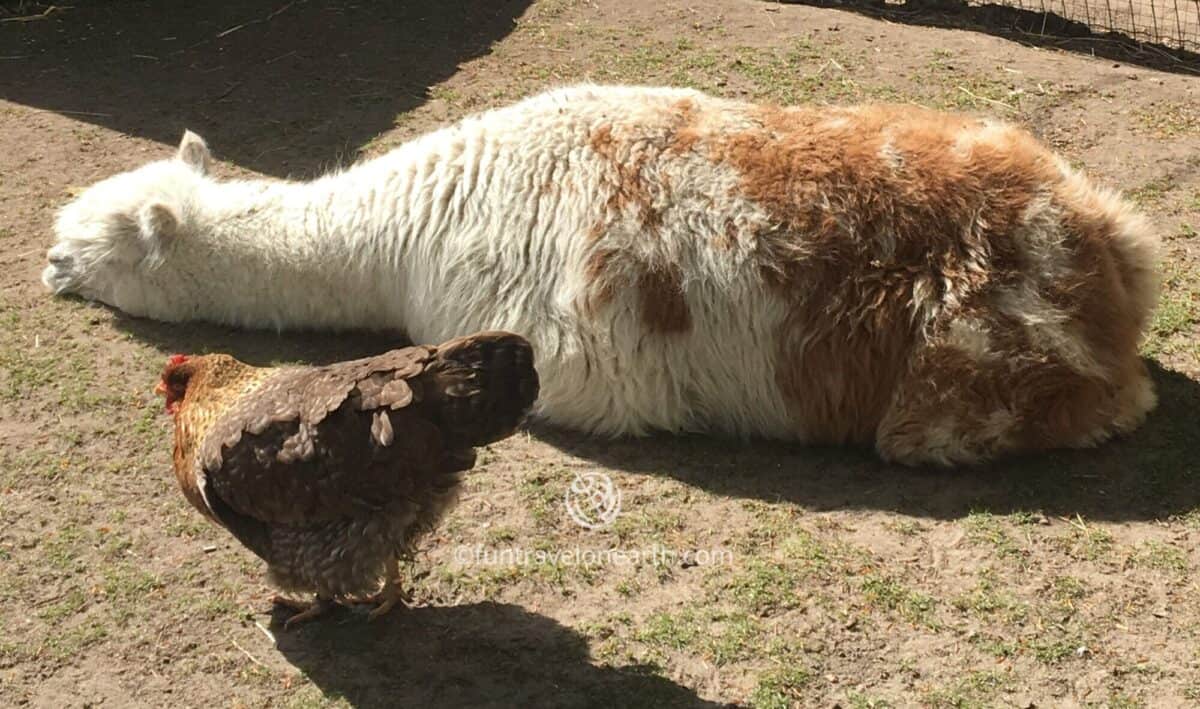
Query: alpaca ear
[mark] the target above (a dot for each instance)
(158, 226)
(193, 151)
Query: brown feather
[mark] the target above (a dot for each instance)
(329, 472)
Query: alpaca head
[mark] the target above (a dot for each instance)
(113, 240)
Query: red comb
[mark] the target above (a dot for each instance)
(177, 359)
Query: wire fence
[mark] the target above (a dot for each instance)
(1170, 23)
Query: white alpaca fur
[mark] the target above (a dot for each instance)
(490, 224)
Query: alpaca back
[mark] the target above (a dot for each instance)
(695, 263)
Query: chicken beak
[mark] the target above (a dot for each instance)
(160, 389)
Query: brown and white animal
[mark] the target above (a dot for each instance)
(332, 474)
(944, 288)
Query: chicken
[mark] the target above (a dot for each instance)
(332, 474)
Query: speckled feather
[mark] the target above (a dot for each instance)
(329, 472)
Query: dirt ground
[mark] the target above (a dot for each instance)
(834, 580)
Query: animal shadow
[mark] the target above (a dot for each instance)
(476, 655)
(1153, 473)
(1033, 28)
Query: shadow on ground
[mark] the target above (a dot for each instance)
(257, 347)
(1034, 29)
(479, 655)
(284, 88)
(1152, 474)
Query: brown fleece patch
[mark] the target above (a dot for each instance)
(602, 140)
(596, 231)
(728, 237)
(600, 276)
(664, 308)
(842, 349)
(628, 190)
(686, 133)
(662, 305)
(887, 216)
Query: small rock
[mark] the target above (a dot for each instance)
(1082, 650)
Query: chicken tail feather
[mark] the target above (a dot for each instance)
(482, 387)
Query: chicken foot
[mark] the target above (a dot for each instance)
(392, 593)
(305, 610)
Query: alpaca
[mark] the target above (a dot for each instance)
(941, 287)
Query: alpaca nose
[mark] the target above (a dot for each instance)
(58, 274)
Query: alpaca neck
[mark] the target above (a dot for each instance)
(326, 254)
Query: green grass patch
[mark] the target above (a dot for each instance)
(988, 529)
(780, 688)
(1169, 119)
(889, 594)
(1177, 314)
(723, 637)
(987, 600)
(978, 689)
(1053, 651)
(1068, 588)
(1150, 193)
(673, 632)
(73, 602)
(1161, 556)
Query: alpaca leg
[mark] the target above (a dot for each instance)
(948, 409)
(954, 409)
(1123, 408)
(964, 432)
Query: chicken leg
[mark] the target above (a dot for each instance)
(391, 594)
(305, 611)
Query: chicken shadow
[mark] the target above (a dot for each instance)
(275, 86)
(1152, 474)
(476, 655)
